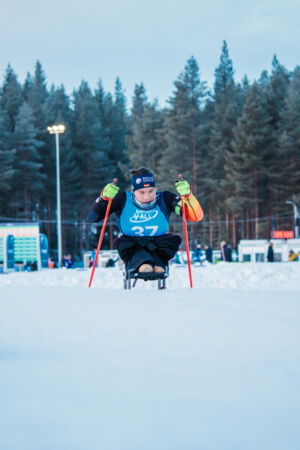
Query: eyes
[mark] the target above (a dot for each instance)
(142, 192)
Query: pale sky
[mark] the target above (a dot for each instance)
(145, 41)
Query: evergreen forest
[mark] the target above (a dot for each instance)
(238, 144)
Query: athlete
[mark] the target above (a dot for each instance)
(145, 244)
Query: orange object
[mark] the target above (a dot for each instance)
(193, 210)
(101, 236)
(186, 238)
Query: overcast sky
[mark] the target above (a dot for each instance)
(145, 41)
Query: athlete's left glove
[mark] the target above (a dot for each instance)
(183, 187)
(109, 191)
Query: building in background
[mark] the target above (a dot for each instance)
(255, 250)
(22, 246)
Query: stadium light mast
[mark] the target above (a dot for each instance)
(57, 130)
(296, 210)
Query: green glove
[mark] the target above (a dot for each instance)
(183, 187)
(110, 191)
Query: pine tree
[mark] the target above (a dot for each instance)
(245, 164)
(117, 130)
(133, 150)
(181, 130)
(205, 182)
(224, 75)
(139, 100)
(37, 98)
(6, 163)
(276, 92)
(11, 97)
(227, 103)
(289, 142)
(28, 180)
(36, 94)
(226, 112)
(90, 149)
(27, 87)
(100, 98)
(112, 120)
(144, 142)
(105, 116)
(148, 137)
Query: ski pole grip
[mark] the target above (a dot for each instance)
(180, 177)
(115, 180)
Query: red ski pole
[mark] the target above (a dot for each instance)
(186, 238)
(101, 237)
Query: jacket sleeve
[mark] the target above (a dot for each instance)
(193, 209)
(98, 208)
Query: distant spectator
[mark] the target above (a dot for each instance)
(51, 263)
(197, 254)
(293, 256)
(228, 253)
(178, 258)
(67, 261)
(31, 266)
(208, 254)
(223, 247)
(92, 257)
(270, 254)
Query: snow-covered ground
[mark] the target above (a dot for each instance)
(216, 367)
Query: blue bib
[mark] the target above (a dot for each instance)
(135, 221)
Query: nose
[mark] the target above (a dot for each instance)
(148, 196)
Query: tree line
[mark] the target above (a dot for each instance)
(238, 144)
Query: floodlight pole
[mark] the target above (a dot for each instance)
(59, 239)
(58, 129)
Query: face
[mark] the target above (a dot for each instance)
(145, 195)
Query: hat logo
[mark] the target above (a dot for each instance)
(138, 180)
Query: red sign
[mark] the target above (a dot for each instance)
(282, 234)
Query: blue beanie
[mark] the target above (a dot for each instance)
(142, 181)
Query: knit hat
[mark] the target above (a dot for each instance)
(142, 180)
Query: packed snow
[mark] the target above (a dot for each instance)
(215, 367)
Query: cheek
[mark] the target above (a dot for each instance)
(139, 197)
(149, 196)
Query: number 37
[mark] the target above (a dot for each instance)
(140, 231)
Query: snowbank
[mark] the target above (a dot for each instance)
(259, 276)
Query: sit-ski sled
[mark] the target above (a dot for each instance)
(130, 277)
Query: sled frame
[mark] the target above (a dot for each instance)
(130, 278)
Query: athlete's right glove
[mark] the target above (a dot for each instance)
(109, 191)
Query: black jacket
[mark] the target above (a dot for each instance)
(270, 254)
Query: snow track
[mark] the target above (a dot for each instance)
(215, 367)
